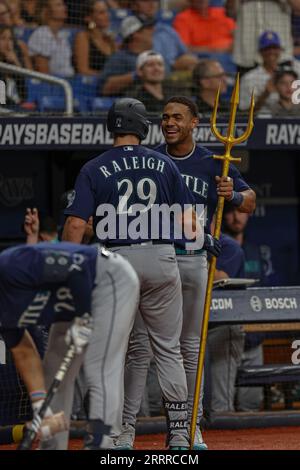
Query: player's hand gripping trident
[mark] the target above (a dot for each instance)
(229, 141)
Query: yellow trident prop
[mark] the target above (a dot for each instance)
(229, 141)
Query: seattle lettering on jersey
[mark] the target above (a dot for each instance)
(196, 185)
(199, 170)
(132, 163)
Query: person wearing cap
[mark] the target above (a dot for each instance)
(252, 18)
(166, 40)
(119, 72)
(151, 90)
(284, 106)
(262, 77)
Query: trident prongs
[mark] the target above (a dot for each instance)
(230, 140)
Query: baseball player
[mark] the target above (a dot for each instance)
(201, 174)
(130, 178)
(56, 284)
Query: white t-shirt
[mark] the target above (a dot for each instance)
(253, 18)
(256, 80)
(55, 47)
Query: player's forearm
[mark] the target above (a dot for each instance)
(74, 229)
(117, 83)
(249, 201)
(29, 364)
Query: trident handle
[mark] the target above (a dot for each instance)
(229, 141)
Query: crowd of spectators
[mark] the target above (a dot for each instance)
(199, 45)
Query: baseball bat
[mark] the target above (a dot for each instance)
(30, 433)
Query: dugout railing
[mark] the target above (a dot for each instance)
(39, 79)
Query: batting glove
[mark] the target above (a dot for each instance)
(79, 332)
(52, 425)
(212, 245)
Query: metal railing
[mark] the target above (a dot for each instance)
(69, 101)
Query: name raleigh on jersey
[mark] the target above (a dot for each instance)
(132, 163)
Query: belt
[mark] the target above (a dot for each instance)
(180, 251)
(149, 243)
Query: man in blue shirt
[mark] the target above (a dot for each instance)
(166, 41)
(119, 74)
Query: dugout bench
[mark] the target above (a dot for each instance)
(268, 310)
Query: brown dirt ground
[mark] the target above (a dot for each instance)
(281, 438)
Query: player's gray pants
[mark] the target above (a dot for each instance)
(193, 273)
(225, 346)
(250, 398)
(161, 311)
(114, 303)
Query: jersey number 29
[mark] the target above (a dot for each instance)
(144, 190)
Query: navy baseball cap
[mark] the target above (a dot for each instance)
(269, 39)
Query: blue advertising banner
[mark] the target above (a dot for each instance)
(80, 133)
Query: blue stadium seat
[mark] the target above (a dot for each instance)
(217, 3)
(36, 89)
(51, 97)
(71, 34)
(101, 104)
(166, 16)
(23, 33)
(53, 104)
(85, 85)
(117, 15)
(223, 57)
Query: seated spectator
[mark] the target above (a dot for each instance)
(19, 47)
(284, 106)
(165, 39)
(28, 11)
(94, 45)
(262, 77)
(150, 67)
(205, 29)
(15, 85)
(119, 71)
(208, 75)
(15, 11)
(49, 45)
(255, 16)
